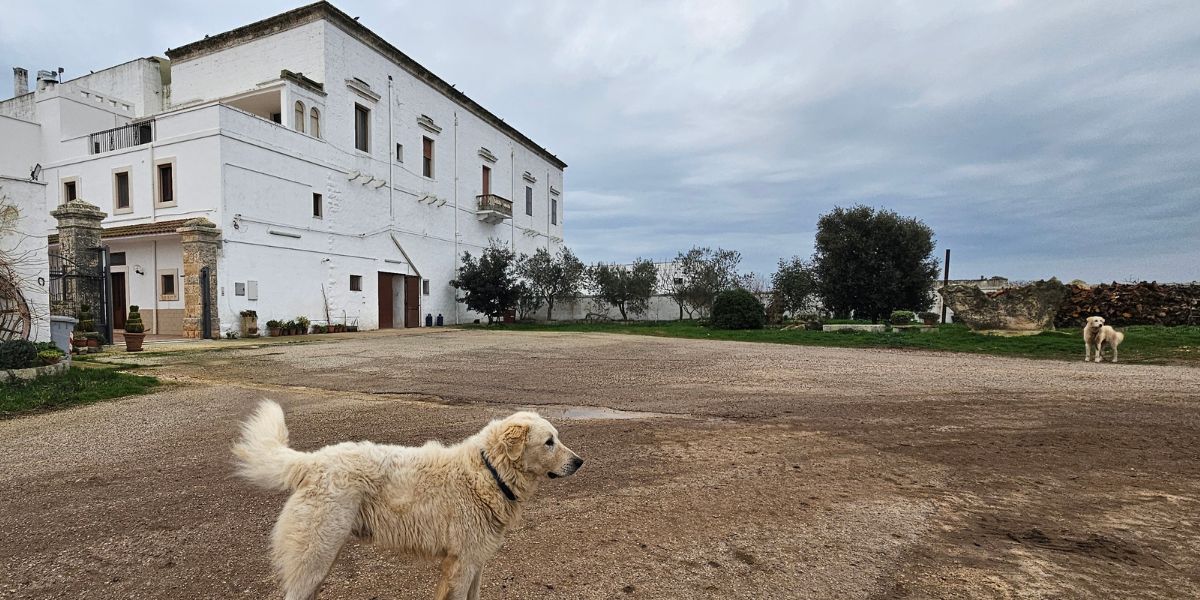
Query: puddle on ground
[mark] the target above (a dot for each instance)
(598, 413)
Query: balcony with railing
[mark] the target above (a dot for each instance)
(125, 136)
(493, 209)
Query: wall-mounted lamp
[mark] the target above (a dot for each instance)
(139, 270)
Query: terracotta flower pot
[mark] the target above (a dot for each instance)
(133, 341)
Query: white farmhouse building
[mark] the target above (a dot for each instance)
(345, 179)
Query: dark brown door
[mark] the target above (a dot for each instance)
(385, 300)
(412, 301)
(118, 296)
(487, 180)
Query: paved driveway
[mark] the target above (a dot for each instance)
(714, 470)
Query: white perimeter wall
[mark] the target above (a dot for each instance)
(28, 246)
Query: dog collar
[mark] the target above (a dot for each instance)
(508, 493)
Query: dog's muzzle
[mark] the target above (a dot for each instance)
(570, 470)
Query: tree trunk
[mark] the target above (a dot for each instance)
(550, 309)
(621, 307)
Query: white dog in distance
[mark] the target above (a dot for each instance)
(1096, 334)
(454, 504)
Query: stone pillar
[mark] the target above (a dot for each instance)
(78, 240)
(201, 241)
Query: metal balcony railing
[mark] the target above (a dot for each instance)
(125, 136)
(493, 208)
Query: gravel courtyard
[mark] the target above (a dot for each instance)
(714, 470)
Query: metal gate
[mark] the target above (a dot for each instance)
(205, 308)
(73, 284)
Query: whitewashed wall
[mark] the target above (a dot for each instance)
(28, 242)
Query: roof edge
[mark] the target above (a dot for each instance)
(324, 10)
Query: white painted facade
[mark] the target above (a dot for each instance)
(212, 107)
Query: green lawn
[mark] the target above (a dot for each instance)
(81, 385)
(1143, 344)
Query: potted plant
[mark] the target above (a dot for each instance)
(929, 318)
(900, 318)
(135, 330)
(48, 353)
(273, 328)
(249, 323)
(86, 337)
(302, 325)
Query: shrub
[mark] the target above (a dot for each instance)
(133, 322)
(902, 317)
(18, 354)
(87, 323)
(302, 323)
(737, 309)
(274, 324)
(930, 317)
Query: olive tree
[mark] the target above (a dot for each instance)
(627, 287)
(872, 262)
(489, 283)
(553, 278)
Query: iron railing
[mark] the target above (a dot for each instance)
(125, 136)
(494, 203)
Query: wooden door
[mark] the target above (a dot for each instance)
(119, 300)
(385, 301)
(487, 180)
(412, 301)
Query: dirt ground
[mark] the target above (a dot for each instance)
(714, 470)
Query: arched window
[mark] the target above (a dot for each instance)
(315, 129)
(299, 116)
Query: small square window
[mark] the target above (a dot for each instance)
(116, 259)
(318, 206)
(425, 287)
(168, 289)
(356, 283)
(70, 191)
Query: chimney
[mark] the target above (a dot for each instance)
(20, 81)
(46, 79)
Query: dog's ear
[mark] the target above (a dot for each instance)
(512, 440)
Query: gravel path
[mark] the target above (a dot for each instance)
(715, 470)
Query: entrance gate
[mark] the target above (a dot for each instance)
(73, 285)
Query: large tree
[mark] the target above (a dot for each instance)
(627, 287)
(489, 283)
(794, 285)
(702, 273)
(872, 262)
(553, 278)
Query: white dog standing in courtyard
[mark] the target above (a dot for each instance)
(1096, 334)
(452, 504)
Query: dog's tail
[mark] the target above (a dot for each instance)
(263, 455)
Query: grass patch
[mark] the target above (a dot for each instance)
(1143, 344)
(80, 385)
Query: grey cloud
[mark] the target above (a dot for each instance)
(1035, 138)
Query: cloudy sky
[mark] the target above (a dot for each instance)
(1036, 138)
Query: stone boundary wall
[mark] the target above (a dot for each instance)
(14, 375)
